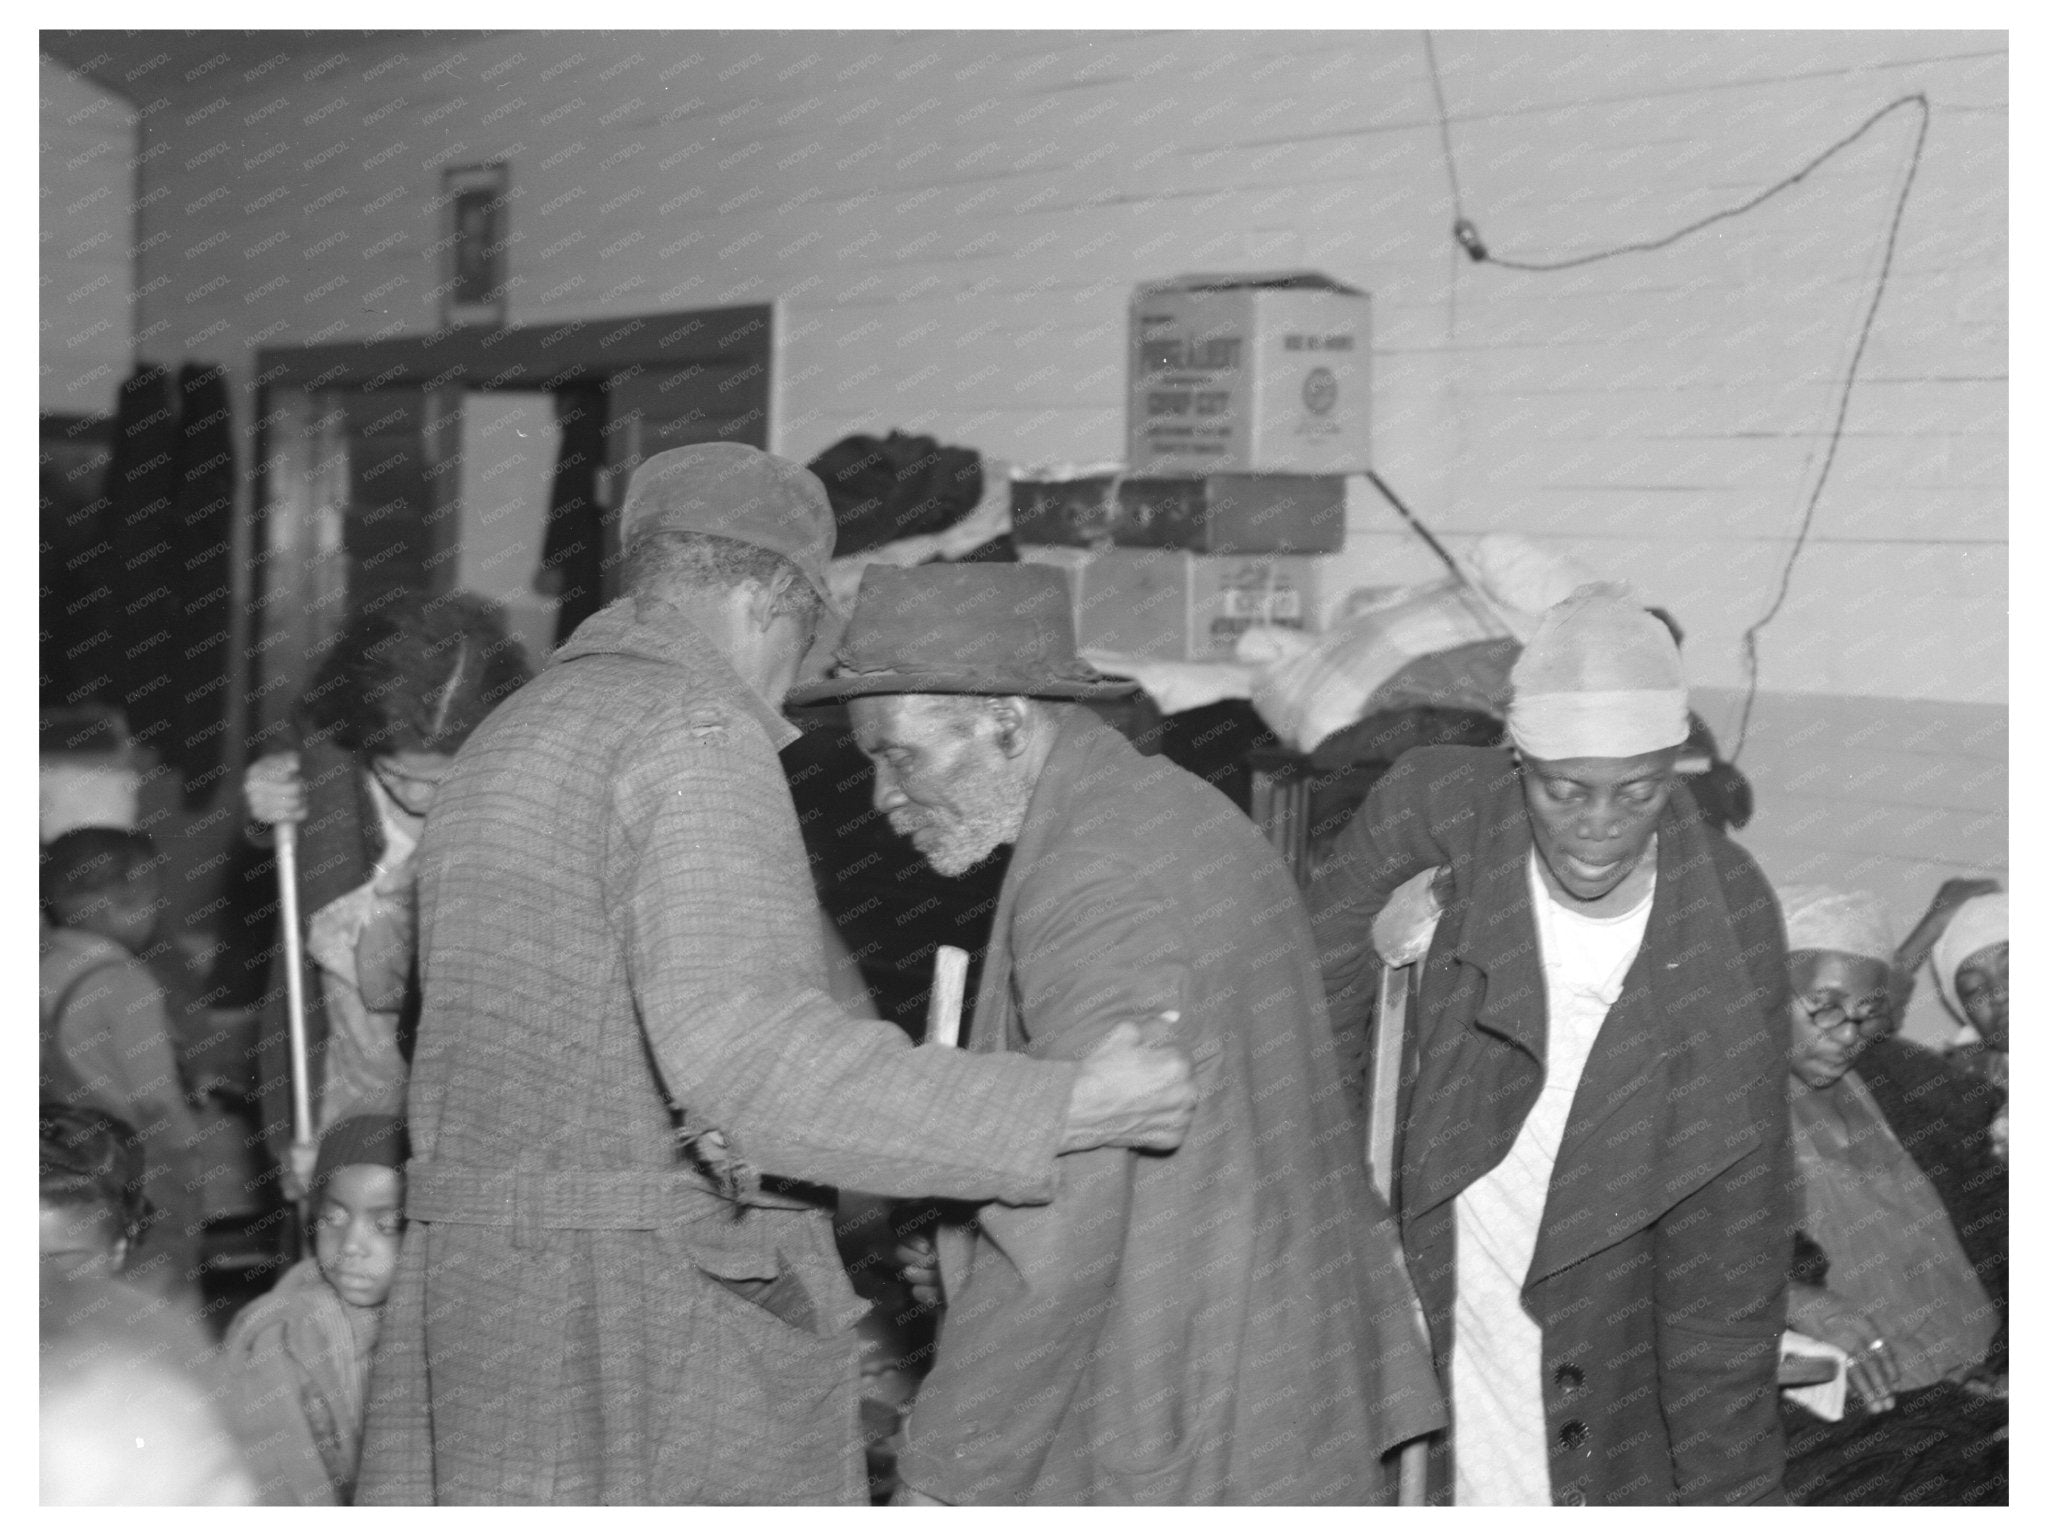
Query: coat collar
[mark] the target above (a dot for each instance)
(615, 630)
(1661, 1065)
(1075, 748)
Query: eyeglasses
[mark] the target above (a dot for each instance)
(413, 791)
(1872, 1018)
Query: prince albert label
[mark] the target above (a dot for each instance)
(1248, 379)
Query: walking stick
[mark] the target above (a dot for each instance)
(1401, 935)
(949, 992)
(295, 992)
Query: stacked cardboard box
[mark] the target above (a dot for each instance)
(1248, 405)
(1172, 605)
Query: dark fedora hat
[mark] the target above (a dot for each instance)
(977, 627)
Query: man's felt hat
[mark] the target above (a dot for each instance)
(735, 492)
(985, 628)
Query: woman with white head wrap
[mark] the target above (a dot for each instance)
(1894, 1174)
(1598, 716)
(1970, 961)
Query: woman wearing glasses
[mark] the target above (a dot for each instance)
(1903, 1207)
(400, 690)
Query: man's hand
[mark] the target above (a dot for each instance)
(1873, 1372)
(273, 791)
(1136, 1089)
(918, 1262)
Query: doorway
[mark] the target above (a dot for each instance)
(487, 461)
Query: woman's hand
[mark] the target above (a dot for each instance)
(272, 790)
(1954, 893)
(297, 1173)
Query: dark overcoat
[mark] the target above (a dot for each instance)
(619, 938)
(1659, 1271)
(1228, 1323)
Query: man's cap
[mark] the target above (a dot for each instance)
(978, 627)
(735, 492)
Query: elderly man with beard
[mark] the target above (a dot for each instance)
(611, 1290)
(1591, 1166)
(1227, 1324)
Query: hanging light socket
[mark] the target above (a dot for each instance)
(1468, 236)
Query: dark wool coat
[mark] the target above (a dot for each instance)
(1659, 1272)
(618, 931)
(1225, 1324)
(1942, 1116)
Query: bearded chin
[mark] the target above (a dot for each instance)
(960, 850)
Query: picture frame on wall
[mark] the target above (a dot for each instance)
(477, 198)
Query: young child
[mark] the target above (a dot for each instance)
(106, 1034)
(303, 1350)
(90, 1179)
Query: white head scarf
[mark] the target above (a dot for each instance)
(1848, 922)
(1599, 678)
(1979, 923)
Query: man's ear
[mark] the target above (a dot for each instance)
(1013, 724)
(764, 598)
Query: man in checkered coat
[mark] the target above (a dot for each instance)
(611, 1290)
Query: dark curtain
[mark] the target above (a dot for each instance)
(161, 569)
(138, 515)
(572, 552)
(76, 566)
(197, 659)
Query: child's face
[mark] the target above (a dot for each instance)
(127, 914)
(356, 1232)
(79, 1242)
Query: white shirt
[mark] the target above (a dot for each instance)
(1499, 1442)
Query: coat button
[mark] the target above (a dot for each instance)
(1572, 1434)
(1569, 1377)
(1571, 1496)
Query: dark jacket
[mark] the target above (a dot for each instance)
(1942, 1117)
(1659, 1273)
(1225, 1325)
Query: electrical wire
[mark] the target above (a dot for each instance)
(1466, 234)
(1443, 123)
(1478, 251)
(1891, 242)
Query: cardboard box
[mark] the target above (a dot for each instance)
(1217, 514)
(1250, 374)
(1170, 605)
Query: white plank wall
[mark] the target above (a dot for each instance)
(951, 223)
(85, 270)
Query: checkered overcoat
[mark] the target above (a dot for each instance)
(618, 928)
